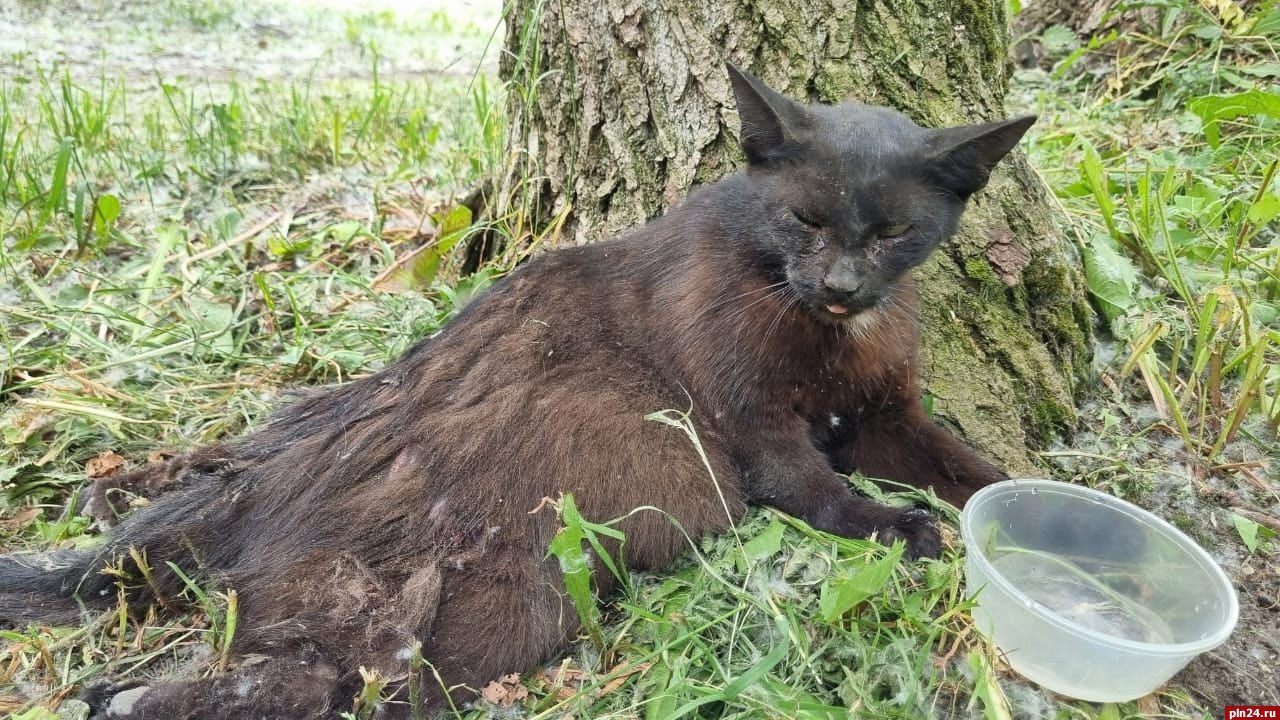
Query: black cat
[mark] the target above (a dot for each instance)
(398, 507)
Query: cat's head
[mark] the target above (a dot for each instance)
(847, 198)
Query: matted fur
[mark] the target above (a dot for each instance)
(400, 507)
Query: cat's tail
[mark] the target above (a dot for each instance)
(133, 564)
(53, 588)
(137, 556)
(136, 560)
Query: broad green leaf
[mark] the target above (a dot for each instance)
(1208, 31)
(845, 592)
(766, 544)
(1251, 533)
(1248, 531)
(1214, 108)
(214, 322)
(1239, 81)
(279, 245)
(344, 232)
(1264, 210)
(453, 227)
(349, 360)
(592, 532)
(1264, 313)
(458, 219)
(1111, 277)
(9, 472)
(566, 546)
(1263, 69)
(72, 295)
(107, 209)
(1267, 24)
(1059, 40)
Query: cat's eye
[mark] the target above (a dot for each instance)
(806, 220)
(889, 232)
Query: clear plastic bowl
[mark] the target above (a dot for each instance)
(1088, 595)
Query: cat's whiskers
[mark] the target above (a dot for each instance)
(771, 287)
(858, 327)
(791, 299)
(738, 318)
(740, 312)
(778, 290)
(739, 315)
(898, 304)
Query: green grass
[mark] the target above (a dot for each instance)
(172, 256)
(176, 251)
(1167, 172)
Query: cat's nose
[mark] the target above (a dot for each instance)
(841, 281)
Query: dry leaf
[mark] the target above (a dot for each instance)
(1149, 706)
(106, 464)
(505, 692)
(159, 457)
(567, 675)
(617, 682)
(12, 703)
(568, 681)
(20, 520)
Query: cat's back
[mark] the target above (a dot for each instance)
(572, 313)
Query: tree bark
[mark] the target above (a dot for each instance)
(618, 107)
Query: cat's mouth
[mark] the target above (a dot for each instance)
(835, 308)
(841, 312)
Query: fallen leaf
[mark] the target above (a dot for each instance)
(569, 681)
(566, 675)
(505, 691)
(159, 457)
(12, 703)
(106, 464)
(617, 682)
(20, 520)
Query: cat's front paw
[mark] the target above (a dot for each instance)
(110, 700)
(918, 529)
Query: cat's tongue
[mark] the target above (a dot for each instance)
(837, 309)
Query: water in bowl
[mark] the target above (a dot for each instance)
(1076, 595)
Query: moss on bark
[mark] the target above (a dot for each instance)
(625, 105)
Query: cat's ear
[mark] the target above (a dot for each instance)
(962, 158)
(772, 125)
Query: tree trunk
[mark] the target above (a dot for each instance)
(618, 107)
